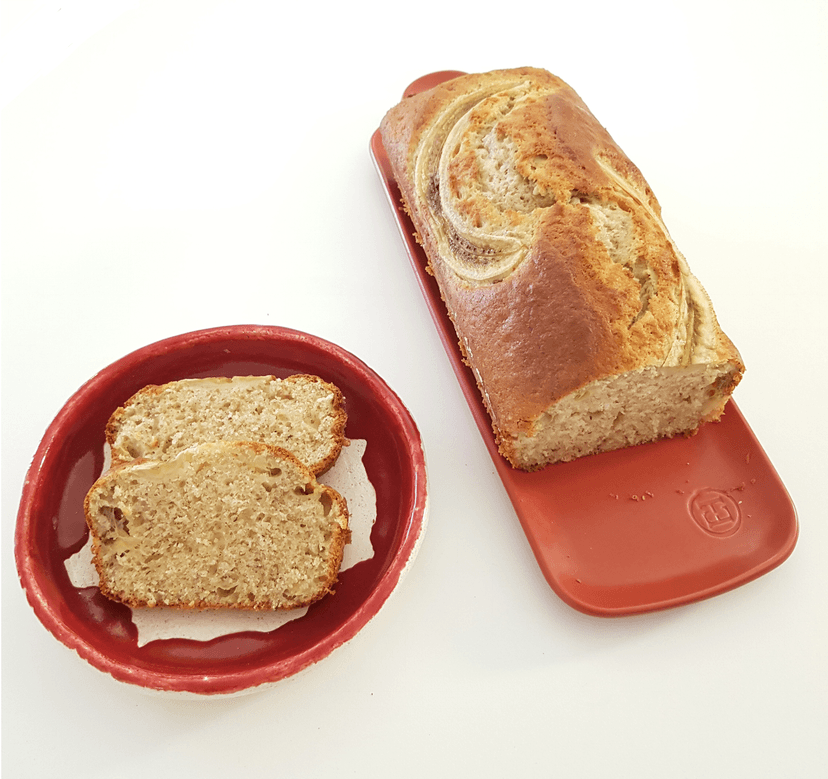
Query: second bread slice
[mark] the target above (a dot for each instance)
(301, 413)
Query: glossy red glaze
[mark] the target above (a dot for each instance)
(51, 525)
(641, 529)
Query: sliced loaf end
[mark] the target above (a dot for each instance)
(633, 408)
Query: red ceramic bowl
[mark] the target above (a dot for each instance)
(51, 525)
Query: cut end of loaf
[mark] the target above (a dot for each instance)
(221, 525)
(633, 408)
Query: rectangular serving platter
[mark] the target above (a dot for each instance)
(641, 529)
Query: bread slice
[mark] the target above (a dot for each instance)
(576, 312)
(220, 525)
(301, 413)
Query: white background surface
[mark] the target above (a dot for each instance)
(169, 166)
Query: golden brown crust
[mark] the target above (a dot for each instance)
(546, 242)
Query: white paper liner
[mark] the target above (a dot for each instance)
(348, 477)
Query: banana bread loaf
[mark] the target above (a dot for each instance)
(576, 312)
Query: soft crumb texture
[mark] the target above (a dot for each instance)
(221, 525)
(634, 408)
(301, 413)
(574, 309)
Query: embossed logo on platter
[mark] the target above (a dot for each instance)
(716, 513)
